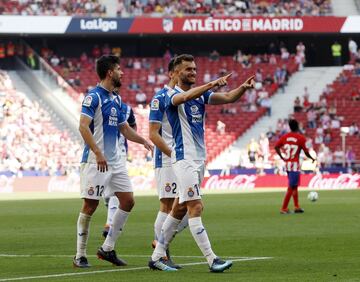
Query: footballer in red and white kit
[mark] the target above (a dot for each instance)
(289, 147)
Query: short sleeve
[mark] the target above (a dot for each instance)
(156, 109)
(169, 97)
(90, 104)
(131, 119)
(121, 117)
(303, 144)
(207, 96)
(280, 142)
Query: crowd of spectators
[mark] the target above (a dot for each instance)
(159, 8)
(30, 144)
(259, 155)
(53, 8)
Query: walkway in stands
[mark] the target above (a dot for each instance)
(23, 87)
(315, 78)
(343, 8)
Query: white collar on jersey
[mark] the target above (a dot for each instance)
(112, 94)
(99, 85)
(177, 87)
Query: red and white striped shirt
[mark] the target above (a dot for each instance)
(290, 145)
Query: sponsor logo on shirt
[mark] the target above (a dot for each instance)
(87, 101)
(113, 120)
(197, 118)
(113, 112)
(194, 109)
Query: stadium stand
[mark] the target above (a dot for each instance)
(147, 75)
(225, 8)
(30, 144)
(336, 108)
(52, 8)
(162, 8)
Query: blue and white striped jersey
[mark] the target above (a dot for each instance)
(127, 111)
(104, 108)
(187, 122)
(158, 114)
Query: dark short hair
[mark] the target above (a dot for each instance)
(171, 64)
(184, 57)
(106, 63)
(294, 125)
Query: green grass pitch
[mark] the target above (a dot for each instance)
(321, 245)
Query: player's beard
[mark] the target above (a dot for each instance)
(188, 81)
(116, 82)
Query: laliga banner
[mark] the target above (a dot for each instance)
(310, 181)
(185, 25)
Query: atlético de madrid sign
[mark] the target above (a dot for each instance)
(184, 25)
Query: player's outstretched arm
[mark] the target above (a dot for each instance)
(156, 138)
(89, 140)
(232, 96)
(196, 92)
(132, 135)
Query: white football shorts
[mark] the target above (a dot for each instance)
(95, 184)
(190, 175)
(166, 183)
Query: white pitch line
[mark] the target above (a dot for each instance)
(114, 270)
(71, 256)
(93, 256)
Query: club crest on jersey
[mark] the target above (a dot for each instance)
(87, 101)
(190, 193)
(154, 105)
(194, 109)
(91, 191)
(113, 112)
(167, 187)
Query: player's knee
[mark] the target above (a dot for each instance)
(128, 205)
(166, 205)
(195, 209)
(178, 213)
(89, 206)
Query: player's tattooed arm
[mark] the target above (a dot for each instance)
(89, 140)
(232, 96)
(156, 138)
(196, 92)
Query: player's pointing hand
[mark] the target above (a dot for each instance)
(221, 81)
(249, 83)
